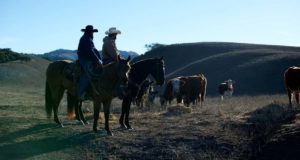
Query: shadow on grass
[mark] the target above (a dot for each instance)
(29, 131)
(44, 138)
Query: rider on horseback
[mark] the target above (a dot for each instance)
(109, 49)
(89, 59)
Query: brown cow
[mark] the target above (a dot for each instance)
(193, 89)
(292, 83)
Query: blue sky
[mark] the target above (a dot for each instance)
(39, 26)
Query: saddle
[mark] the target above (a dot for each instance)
(73, 71)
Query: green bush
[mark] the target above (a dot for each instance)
(7, 55)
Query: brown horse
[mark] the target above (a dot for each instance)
(292, 83)
(102, 92)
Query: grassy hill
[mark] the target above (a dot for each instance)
(20, 74)
(257, 69)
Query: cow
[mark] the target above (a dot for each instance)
(292, 83)
(139, 100)
(226, 88)
(193, 89)
(172, 90)
(151, 95)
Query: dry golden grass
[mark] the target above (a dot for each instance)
(178, 109)
(216, 130)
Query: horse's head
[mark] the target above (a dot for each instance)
(158, 71)
(123, 69)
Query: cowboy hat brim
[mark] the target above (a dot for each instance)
(113, 32)
(94, 30)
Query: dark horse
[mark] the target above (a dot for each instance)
(137, 75)
(102, 91)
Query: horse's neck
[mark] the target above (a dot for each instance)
(139, 77)
(110, 74)
(141, 71)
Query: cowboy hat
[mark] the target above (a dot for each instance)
(112, 30)
(89, 28)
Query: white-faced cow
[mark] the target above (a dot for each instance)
(139, 100)
(292, 83)
(226, 88)
(172, 90)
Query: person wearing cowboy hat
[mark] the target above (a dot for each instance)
(109, 49)
(89, 59)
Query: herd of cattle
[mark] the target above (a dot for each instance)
(192, 89)
(184, 89)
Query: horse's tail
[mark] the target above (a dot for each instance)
(71, 102)
(48, 100)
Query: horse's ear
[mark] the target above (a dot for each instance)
(161, 58)
(128, 59)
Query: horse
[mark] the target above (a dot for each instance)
(101, 92)
(292, 83)
(226, 87)
(137, 75)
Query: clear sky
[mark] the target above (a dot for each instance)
(40, 26)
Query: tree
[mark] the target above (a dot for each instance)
(6, 55)
(153, 46)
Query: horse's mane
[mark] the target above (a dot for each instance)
(138, 65)
(109, 64)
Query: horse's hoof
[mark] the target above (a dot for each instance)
(109, 133)
(129, 127)
(95, 130)
(123, 126)
(86, 122)
(82, 123)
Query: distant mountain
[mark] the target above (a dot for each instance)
(257, 69)
(61, 54)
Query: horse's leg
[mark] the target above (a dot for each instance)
(106, 106)
(71, 104)
(127, 111)
(57, 97)
(290, 97)
(297, 98)
(121, 120)
(79, 108)
(97, 106)
(79, 113)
